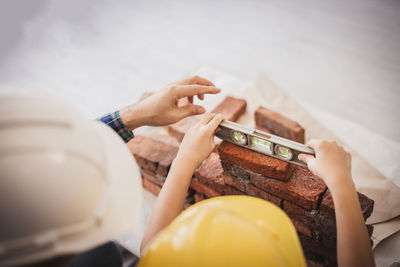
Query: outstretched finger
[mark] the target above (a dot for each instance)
(214, 123)
(196, 80)
(192, 90)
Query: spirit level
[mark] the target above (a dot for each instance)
(262, 142)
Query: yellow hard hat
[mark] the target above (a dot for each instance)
(227, 231)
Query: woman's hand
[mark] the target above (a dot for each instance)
(331, 162)
(198, 142)
(169, 105)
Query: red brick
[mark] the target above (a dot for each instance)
(312, 263)
(223, 189)
(211, 170)
(255, 161)
(139, 150)
(315, 247)
(212, 174)
(329, 234)
(279, 124)
(179, 128)
(328, 241)
(299, 214)
(304, 221)
(229, 190)
(186, 205)
(256, 192)
(166, 138)
(199, 197)
(152, 177)
(239, 183)
(314, 260)
(165, 164)
(303, 188)
(151, 187)
(153, 155)
(327, 208)
(202, 188)
(258, 127)
(327, 228)
(235, 170)
(302, 228)
(231, 108)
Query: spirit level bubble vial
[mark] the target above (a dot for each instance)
(262, 142)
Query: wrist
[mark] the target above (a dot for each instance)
(341, 184)
(133, 117)
(345, 197)
(187, 161)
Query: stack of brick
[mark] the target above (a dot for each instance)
(155, 154)
(234, 170)
(303, 196)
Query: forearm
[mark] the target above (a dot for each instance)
(353, 245)
(170, 200)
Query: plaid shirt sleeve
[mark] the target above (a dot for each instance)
(114, 121)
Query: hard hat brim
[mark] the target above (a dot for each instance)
(125, 192)
(123, 197)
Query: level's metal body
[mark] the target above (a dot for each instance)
(227, 128)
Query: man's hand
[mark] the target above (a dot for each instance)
(198, 142)
(169, 105)
(331, 162)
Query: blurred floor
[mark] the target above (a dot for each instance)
(340, 56)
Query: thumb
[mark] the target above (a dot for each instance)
(190, 110)
(306, 158)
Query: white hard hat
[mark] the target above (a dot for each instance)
(67, 184)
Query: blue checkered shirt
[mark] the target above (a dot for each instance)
(114, 121)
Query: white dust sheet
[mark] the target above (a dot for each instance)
(375, 172)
